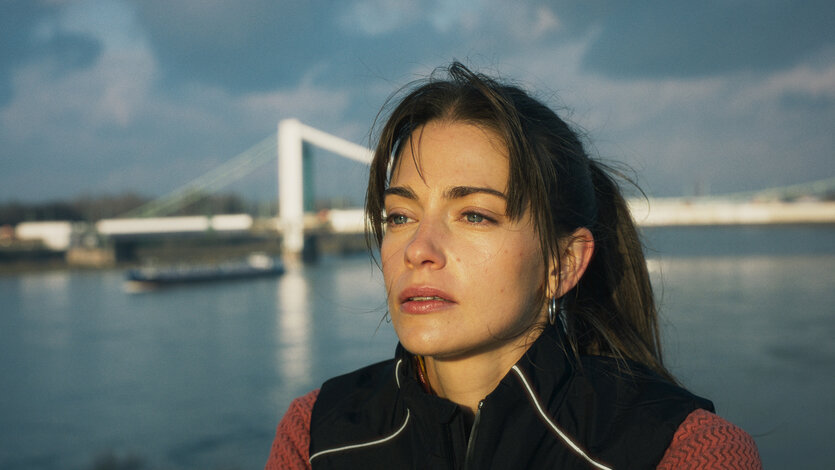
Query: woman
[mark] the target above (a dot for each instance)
(519, 292)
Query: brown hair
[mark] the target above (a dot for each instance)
(611, 310)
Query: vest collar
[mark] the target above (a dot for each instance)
(547, 366)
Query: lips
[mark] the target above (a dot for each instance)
(420, 300)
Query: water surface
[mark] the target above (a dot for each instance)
(198, 377)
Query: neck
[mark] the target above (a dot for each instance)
(468, 380)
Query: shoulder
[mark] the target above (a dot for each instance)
(290, 449)
(705, 440)
(639, 395)
(632, 380)
(635, 412)
(357, 407)
(352, 390)
(301, 407)
(319, 408)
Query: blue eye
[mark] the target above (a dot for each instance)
(474, 218)
(397, 219)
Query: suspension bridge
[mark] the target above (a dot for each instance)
(292, 148)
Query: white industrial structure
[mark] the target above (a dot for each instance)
(226, 223)
(291, 178)
(54, 234)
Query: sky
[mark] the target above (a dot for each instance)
(103, 97)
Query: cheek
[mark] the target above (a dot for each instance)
(389, 259)
(511, 258)
(387, 250)
(526, 265)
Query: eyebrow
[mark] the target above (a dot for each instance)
(401, 191)
(456, 192)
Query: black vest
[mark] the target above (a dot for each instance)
(547, 412)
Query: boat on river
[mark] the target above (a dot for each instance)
(254, 266)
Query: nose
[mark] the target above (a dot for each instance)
(426, 247)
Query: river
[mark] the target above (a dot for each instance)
(198, 376)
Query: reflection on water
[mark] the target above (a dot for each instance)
(198, 377)
(294, 328)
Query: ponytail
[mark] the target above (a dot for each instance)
(614, 311)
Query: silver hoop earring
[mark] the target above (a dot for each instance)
(552, 310)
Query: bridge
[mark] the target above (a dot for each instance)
(292, 143)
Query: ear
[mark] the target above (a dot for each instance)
(574, 259)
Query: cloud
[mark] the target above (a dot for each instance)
(108, 129)
(61, 130)
(816, 81)
(376, 17)
(739, 131)
(249, 46)
(241, 46)
(107, 94)
(149, 94)
(29, 30)
(252, 46)
(522, 21)
(306, 102)
(694, 39)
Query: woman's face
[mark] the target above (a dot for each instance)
(462, 278)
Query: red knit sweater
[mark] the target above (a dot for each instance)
(702, 441)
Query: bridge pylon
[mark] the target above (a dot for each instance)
(291, 178)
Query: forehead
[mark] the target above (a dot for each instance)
(453, 152)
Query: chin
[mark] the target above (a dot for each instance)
(437, 348)
(422, 343)
(418, 346)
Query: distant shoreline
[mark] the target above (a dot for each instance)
(686, 212)
(192, 251)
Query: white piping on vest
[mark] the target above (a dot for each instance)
(364, 444)
(576, 448)
(372, 443)
(397, 372)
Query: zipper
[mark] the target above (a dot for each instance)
(468, 457)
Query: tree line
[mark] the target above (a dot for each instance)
(93, 208)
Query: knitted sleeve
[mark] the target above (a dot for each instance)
(706, 441)
(291, 447)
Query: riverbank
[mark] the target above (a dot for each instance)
(167, 251)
